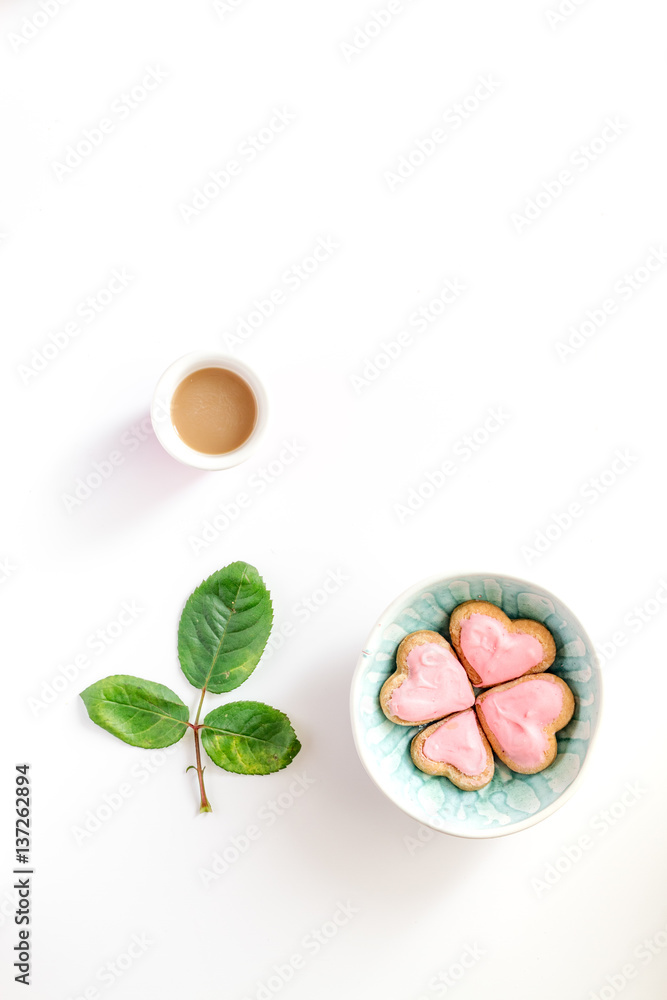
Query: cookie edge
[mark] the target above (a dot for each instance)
(535, 628)
(566, 713)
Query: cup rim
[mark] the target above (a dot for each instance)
(388, 615)
(163, 394)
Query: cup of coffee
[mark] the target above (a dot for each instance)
(209, 410)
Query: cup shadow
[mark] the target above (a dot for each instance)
(119, 480)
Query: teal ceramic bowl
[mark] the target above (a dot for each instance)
(511, 802)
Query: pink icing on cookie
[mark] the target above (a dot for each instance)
(496, 654)
(458, 742)
(436, 685)
(517, 718)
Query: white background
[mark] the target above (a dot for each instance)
(419, 904)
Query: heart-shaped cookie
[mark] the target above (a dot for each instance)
(428, 683)
(521, 717)
(456, 748)
(494, 649)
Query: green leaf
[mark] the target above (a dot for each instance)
(248, 737)
(138, 712)
(224, 628)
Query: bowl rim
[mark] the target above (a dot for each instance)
(385, 618)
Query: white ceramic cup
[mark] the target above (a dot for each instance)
(167, 434)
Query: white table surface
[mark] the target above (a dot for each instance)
(407, 915)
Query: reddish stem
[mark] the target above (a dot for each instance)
(205, 806)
